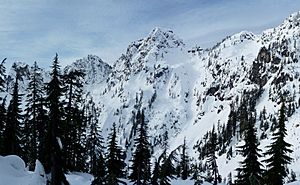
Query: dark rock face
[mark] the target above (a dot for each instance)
(264, 55)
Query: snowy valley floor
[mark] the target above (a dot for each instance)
(14, 172)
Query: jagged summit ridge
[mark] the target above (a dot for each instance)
(158, 39)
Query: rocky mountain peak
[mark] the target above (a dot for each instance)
(94, 68)
(162, 36)
(144, 54)
(156, 40)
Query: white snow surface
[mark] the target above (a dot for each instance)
(13, 172)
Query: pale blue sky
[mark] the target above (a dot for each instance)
(36, 29)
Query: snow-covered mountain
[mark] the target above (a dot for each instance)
(95, 69)
(187, 91)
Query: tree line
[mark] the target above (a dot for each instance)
(60, 128)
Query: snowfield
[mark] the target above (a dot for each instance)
(14, 172)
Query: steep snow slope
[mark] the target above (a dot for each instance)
(187, 93)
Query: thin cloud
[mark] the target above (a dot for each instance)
(34, 30)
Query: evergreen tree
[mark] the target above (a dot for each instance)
(53, 141)
(167, 169)
(43, 124)
(278, 152)
(115, 159)
(165, 139)
(243, 114)
(2, 76)
(95, 146)
(2, 105)
(141, 158)
(74, 123)
(184, 162)
(231, 125)
(12, 134)
(42, 129)
(2, 125)
(250, 172)
(213, 172)
(34, 118)
(155, 173)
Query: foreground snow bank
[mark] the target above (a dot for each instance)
(13, 171)
(77, 178)
(179, 182)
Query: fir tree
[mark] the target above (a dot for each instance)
(165, 166)
(278, 152)
(54, 145)
(213, 172)
(2, 124)
(95, 146)
(34, 122)
(43, 125)
(155, 173)
(2, 104)
(115, 159)
(141, 157)
(74, 121)
(243, 114)
(167, 169)
(2, 76)
(231, 125)
(165, 139)
(184, 162)
(12, 135)
(250, 172)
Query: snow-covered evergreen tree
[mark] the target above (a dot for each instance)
(34, 119)
(12, 135)
(250, 171)
(115, 158)
(55, 163)
(141, 173)
(278, 152)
